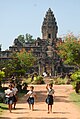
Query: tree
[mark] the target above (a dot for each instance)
(21, 38)
(20, 63)
(7, 66)
(23, 61)
(26, 59)
(2, 75)
(69, 50)
(27, 38)
(76, 81)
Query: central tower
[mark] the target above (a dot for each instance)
(49, 26)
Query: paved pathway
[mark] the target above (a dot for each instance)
(62, 109)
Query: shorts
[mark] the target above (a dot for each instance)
(49, 100)
(14, 98)
(30, 100)
(9, 100)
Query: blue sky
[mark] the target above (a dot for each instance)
(18, 17)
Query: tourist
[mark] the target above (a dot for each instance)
(9, 97)
(49, 99)
(31, 97)
(15, 97)
(44, 74)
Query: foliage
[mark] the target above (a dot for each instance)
(20, 72)
(60, 81)
(35, 80)
(25, 59)
(69, 50)
(28, 80)
(2, 74)
(76, 78)
(21, 38)
(9, 67)
(27, 38)
(20, 63)
(38, 80)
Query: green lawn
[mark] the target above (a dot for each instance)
(3, 107)
(75, 98)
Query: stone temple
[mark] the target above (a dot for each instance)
(43, 48)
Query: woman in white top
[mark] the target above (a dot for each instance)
(9, 97)
(49, 99)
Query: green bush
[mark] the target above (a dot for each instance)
(60, 81)
(20, 72)
(38, 80)
(27, 81)
(75, 78)
(2, 75)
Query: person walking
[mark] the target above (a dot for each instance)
(32, 96)
(15, 97)
(50, 96)
(9, 97)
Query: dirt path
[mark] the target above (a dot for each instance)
(62, 109)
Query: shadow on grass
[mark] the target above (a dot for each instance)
(3, 108)
(64, 99)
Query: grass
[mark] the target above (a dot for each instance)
(3, 107)
(28, 80)
(75, 98)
